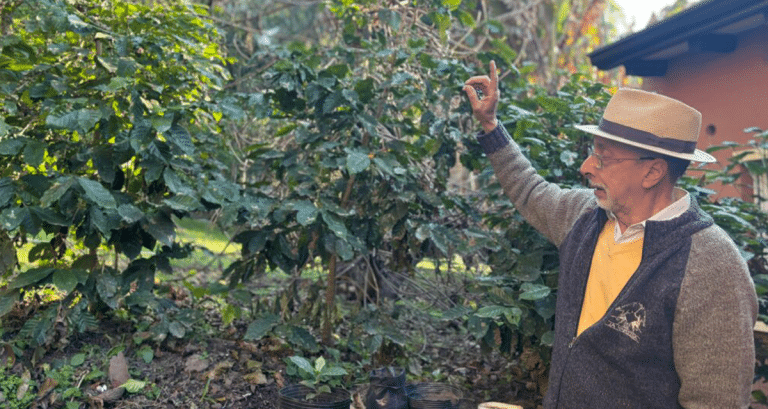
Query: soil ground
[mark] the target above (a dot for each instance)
(230, 373)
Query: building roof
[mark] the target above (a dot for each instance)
(709, 26)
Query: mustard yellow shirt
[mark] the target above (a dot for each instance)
(613, 264)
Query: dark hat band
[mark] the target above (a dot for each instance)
(646, 138)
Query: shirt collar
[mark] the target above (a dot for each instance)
(637, 230)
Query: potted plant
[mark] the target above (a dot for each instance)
(320, 386)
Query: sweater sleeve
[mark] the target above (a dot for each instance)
(713, 337)
(547, 207)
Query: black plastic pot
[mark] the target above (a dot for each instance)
(386, 389)
(429, 395)
(295, 397)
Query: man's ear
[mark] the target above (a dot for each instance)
(655, 172)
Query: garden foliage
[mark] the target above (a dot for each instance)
(116, 122)
(108, 131)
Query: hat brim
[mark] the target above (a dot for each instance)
(696, 156)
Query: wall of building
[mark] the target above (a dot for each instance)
(730, 91)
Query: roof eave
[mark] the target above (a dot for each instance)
(701, 19)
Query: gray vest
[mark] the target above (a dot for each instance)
(625, 360)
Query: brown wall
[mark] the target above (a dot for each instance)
(730, 91)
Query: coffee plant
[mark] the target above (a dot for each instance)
(107, 123)
(117, 119)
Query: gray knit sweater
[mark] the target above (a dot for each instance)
(680, 332)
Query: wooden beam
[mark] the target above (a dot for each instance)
(646, 68)
(714, 43)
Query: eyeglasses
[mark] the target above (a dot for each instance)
(601, 160)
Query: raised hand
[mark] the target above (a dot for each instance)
(484, 107)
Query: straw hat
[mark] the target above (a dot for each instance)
(652, 122)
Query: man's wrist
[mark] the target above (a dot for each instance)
(489, 126)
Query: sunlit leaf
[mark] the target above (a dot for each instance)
(532, 291)
(130, 213)
(55, 192)
(302, 363)
(31, 276)
(134, 386)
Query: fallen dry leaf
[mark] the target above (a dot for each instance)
(219, 369)
(118, 370)
(256, 378)
(24, 387)
(195, 363)
(46, 387)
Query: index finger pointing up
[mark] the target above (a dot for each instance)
(494, 75)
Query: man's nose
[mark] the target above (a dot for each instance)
(588, 166)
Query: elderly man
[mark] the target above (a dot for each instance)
(655, 305)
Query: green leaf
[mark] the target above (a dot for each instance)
(175, 184)
(67, 280)
(334, 101)
(333, 371)
(302, 363)
(299, 336)
(467, 19)
(306, 212)
(31, 276)
(319, 364)
(106, 287)
(229, 313)
(8, 258)
(181, 138)
(534, 292)
(451, 4)
(7, 191)
(162, 228)
(115, 84)
(146, 354)
(130, 213)
(49, 216)
(513, 315)
(338, 70)
(77, 359)
(134, 386)
(357, 162)
(12, 147)
(491, 311)
(162, 123)
(82, 120)
(183, 203)
(548, 338)
(8, 300)
(4, 128)
(56, 191)
(261, 327)
(391, 18)
(177, 329)
(553, 105)
(97, 193)
(336, 224)
(12, 217)
(34, 153)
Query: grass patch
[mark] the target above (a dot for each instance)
(206, 234)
